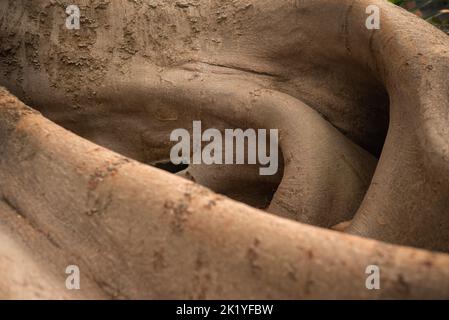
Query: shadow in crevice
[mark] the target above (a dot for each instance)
(170, 166)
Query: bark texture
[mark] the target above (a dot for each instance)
(362, 116)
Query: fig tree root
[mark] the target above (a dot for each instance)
(362, 118)
(140, 232)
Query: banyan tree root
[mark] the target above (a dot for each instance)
(135, 71)
(140, 232)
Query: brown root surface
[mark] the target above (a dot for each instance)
(362, 116)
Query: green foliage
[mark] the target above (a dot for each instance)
(434, 11)
(397, 2)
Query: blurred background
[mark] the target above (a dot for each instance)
(434, 11)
